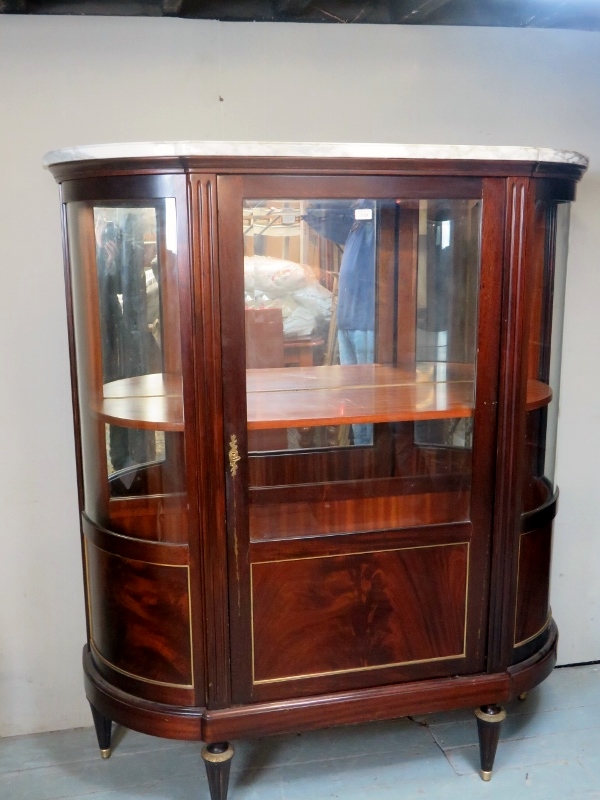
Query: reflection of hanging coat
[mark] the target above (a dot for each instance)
(135, 316)
(356, 288)
(111, 314)
(127, 346)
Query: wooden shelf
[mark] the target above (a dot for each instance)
(538, 394)
(151, 402)
(340, 395)
(312, 396)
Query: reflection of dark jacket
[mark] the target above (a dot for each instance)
(111, 317)
(125, 337)
(334, 219)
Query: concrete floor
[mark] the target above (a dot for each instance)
(549, 748)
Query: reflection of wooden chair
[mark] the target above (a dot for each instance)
(264, 348)
(264, 338)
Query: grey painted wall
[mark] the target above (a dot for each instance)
(71, 80)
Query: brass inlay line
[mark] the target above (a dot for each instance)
(466, 627)
(91, 618)
(189, 585)
(140, 560)
(138, 677)
(517, 591)
(87, 586)
(375, 666)
(363, 552)
(358, 669)
(106, 531)
(537, 633)
(545, 625)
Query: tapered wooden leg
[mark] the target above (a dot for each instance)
(103, 727)
(489, 719)
(217, 759)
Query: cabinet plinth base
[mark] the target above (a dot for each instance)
(311, 713)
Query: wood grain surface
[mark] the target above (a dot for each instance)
(358, 611)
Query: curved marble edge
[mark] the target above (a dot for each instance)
(313, 150)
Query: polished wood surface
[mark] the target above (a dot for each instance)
(330, 395)
(533, 587)
(302, 519)
(310, 713)
(512, 393)
(151, 402)
(161, 517)
(140, 619)
(538, 394)
(353, 393)
(363, 610)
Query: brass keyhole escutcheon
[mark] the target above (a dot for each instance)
(234, 455)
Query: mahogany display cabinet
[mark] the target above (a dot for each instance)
(315, 395)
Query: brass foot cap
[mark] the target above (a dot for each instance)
(523, 696)
(217, 758)
(486, 775)
(106, 753)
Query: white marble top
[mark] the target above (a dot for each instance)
(313, 150)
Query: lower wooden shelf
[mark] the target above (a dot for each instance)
(151, 402)
(313, 396)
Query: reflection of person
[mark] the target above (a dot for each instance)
(109, 286)
(123, 325)
(353, 225)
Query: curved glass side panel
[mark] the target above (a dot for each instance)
(544, 352)
(126, 313)
(361, 339)
(560, 273)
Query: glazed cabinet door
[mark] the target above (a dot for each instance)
(360, 332)
(135, 411)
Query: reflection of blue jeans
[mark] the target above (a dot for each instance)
(358, 347)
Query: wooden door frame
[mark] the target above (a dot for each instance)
(231, 189)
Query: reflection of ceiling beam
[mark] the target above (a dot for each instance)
(291, 7)
(573, 14)
(13, 6)
(172, 8)
(418, 11)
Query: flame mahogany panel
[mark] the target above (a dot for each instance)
(358, 611)
(533, 586)
(140, 618)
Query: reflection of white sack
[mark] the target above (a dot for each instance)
(299, 323)
(275, 276)
(287, 305)
(315, 298)
(248, 278)
(152, 298)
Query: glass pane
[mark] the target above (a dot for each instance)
(361, 320)
(124, 264)
(544, 352)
